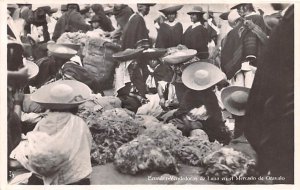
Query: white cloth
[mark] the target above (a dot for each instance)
(96, 33)
(209, 21)
(58, 149)
(122, 75)
(150, 82)
(196, 24)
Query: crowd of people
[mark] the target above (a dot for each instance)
(192, 78)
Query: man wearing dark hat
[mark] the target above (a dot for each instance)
(170, 32)
(136, 29)
(71, 21)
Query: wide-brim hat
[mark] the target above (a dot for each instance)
(224, 16)
(154, 53)
(63, 94)
(201, 75)
(237, 5)
(128, 54)
(235, 99)
(180, 56)
(32, 68)
(61, 51)
(196, 10)
(171, 9)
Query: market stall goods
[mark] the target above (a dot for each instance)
(192, 151)
(93, 108)
(166, 136)
(229, 166)
(143, 154)
(112, 129)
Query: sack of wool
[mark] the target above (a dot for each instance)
(102, 71)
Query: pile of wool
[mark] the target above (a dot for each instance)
(143, 154)
(228, 163)
(110, 130)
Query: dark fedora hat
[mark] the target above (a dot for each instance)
(224, 16)
(196, 10)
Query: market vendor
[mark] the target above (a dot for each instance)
(159, 76)
(67, 159)
(49, 66)
(199, 107)
(125, 86)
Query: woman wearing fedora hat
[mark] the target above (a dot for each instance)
(196, 36)
(170, 32)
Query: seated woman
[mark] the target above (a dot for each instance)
(57, 151)
(126, 75)
(49, 66)
(199, 107)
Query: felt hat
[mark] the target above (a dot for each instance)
(61, 51)
(171, 9)
(237, 5)
(95, 18)
(63, 7)
(180, 56)
(235, 99)
(224, 16)
(32, 68)
(62, 94)
(154, 53)
(196, 10)
(128, 54)
(201, 75)
(73, 5)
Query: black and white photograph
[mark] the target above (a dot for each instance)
(148, 93)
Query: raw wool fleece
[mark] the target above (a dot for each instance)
(73, 38)
(99, 62)
(110, 130)
(227, 163)
(143, 154)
